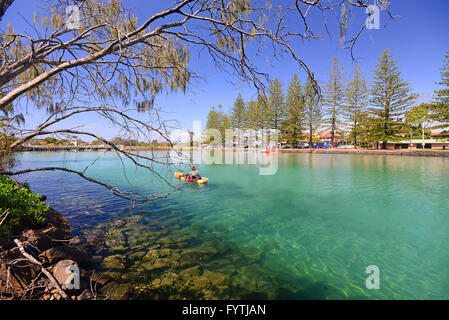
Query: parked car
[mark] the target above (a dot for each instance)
(303, 145)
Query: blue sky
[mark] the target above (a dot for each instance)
(419, 42)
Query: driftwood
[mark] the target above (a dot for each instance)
(45, 271)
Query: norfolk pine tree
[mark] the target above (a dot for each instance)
(390, 97)
(276, 103)
(238, 113)
(293, 125)
(440, 105)
(313, 113)
(355, 102)
(333, 98)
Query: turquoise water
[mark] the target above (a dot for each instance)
(307, 232)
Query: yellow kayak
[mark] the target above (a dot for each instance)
(184, 177)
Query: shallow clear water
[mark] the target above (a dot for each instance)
(307, 232)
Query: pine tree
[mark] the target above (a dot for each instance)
(238, 113)
(217, 119)
(293, 125)
(276, 103)
(440, 106)
(355, 102)
(391, 97)
(313, 113)
(223, 122)
(213, 119)
(258, 113)
(333, 98)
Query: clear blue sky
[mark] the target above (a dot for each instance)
(419, 42)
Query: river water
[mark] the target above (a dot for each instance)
(307, 232)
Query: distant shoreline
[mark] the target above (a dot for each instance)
(394, 152)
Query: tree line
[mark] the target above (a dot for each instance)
(367, 114)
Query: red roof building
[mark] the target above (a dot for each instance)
(328, 135)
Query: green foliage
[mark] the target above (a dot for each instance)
(258, 113)
(49, 140)
(217, 119)
(96, 143)
(440, 106)
(158, 63)
(276, 103)
(418, 115)
(238, 113)
(355, 102)
(293, 124)
(118, 141)
(333, 96)
(391, 97)
(23, 207)
(7, 157)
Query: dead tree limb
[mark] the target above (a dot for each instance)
(45, 271)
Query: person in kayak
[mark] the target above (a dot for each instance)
(194, 174)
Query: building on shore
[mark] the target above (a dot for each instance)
(436, 141)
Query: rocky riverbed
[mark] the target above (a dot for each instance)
(51, 248)
(147, 261)
(133, 258)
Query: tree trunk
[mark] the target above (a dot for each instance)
(310, 138)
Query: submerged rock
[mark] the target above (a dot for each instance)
(151, 255)
(168, 279)
(221, 265)
(252, 255)
(156, 283)
(197, 255)
(138, 255)
(56, 254)
(175, 241)
(216, 278)
(190, 272)
(114, 275)
(114, 262)
(115, 290)
(155, 264)
(253, 282)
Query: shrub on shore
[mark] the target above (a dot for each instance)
(20, 208)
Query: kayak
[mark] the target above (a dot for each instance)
(184, 177)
